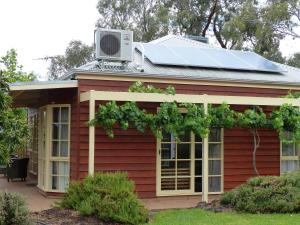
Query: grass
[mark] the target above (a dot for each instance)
(201, 217)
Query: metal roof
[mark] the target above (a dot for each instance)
(37, 85)
(289, 76)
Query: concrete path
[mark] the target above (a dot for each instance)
(37, 202)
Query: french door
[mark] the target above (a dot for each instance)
(179, 164)
(54, 145)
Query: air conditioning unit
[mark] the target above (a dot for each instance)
(114, 45)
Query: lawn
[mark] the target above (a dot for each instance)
(201, 217)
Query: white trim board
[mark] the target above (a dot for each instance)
(185, 98)
(42, 85)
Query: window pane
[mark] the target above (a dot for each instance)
(186, 137)
(64, 168)
(288, 149)
(55, 148)
(168, 184)
(198, 184)
(214, 167)
(198, 167)
(198, 151)
(214, 151)
(215, 135)
(64, 149)
(198, 138)
(183, 183)
(289, 166)
(65, 115)
(166, 137)
(64, 135)
(168, 168)
(168, 151)
(54, 182)
(183, 151)
(55, 131)
(56, 112)
(55, 168)
(183, 168)
(214, 184)
(63, 183)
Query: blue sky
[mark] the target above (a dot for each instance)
(39, 28)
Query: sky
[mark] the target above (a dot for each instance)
(39, 28)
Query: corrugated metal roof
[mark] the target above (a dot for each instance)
(290, 76)
(35, 85)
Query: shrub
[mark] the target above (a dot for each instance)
(109, 196)
(266, 194)
(13, 210)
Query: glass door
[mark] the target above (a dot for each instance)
(176, 164)
(60, 142)
(180, 167)
(54, 148)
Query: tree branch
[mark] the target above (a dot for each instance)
(217, 33)
(212, 13)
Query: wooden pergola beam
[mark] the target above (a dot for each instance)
(186, 98)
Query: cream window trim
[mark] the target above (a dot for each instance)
(296, 157)
(205, 162)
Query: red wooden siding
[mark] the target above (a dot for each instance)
(238, 148)
(135, 153)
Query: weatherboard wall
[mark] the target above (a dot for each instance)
(135, 153)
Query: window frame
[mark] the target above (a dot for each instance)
(47, 157)
(192, 176)
(296, 157)
(58, 158)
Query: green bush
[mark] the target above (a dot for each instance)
(13, 210)
(109, 196)
(266, 194)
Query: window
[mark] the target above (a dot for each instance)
(215, 161)
(59, 158)
(180, 163)
(289, 157)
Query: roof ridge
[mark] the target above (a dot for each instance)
(170, 36)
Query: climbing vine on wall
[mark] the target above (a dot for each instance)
(176, 118)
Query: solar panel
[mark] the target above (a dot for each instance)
(193, 56)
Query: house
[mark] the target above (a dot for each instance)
(65, 148)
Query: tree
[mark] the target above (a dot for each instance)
(12, 71)
(149, 19)
(235, 24)
(77, 54)
(13, 122)
(294, 60)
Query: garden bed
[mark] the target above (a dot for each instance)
(214, 206)
(56, 216)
